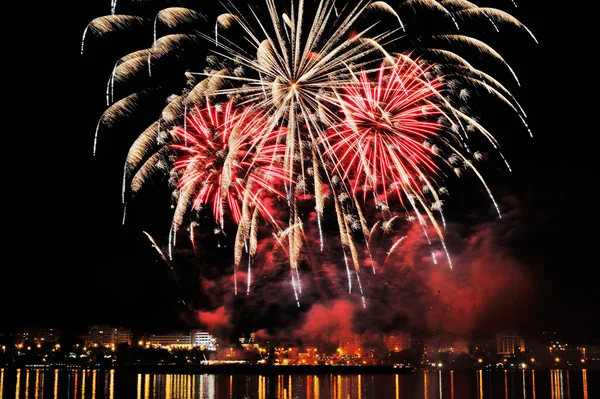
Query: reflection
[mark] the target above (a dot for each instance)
(55, 384)
(533, 382)
(83, 378)
(359, 386)
(585, 392)
(261, 387)
(561, 385)
(94, 380)
(75, 385)
(81, 384)
(556, 384)
(201, 389)
(309, 384)
(18, 387)
(27, 384)
(169, 387)
(111, 385)
(39, 383)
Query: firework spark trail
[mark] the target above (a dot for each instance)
(362, 294)
(110, 23)
(393, 247)
(168, 263)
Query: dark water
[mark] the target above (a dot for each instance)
(81, 384)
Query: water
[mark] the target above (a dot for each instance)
(445, 384)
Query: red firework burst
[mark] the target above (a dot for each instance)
(227, 158)
(381, 144)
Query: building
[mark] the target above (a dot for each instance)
(509, 344)
(203, 340)
(350, 344)
(173, 340)
(183, 340)
(36, 335)
(107, 336)
(396, 341)
(249, 343)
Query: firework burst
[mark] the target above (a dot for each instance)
(393, 138)
(220, 165)
(312, 103)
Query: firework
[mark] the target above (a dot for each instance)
(219, 164)
(310, 104)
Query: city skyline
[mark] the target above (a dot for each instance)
(78, 265)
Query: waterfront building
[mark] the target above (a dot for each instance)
(170, 341)
(108, 336)
(36, 335)
(396, 341)
(203, 340)
(350, 344)
(509, 344)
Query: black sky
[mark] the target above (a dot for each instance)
(69, 263)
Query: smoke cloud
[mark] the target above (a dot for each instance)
(409, 286)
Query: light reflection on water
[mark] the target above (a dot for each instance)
(440, 384)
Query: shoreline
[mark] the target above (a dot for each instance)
(246, 369)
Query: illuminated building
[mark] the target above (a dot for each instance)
(173, 340)
(509, 344)
(396, 341)
(249, 343)
(203, 340)
(107, 336)
(183, 340)
(350, 344)
(37, 335)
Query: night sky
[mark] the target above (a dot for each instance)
(70, 263)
